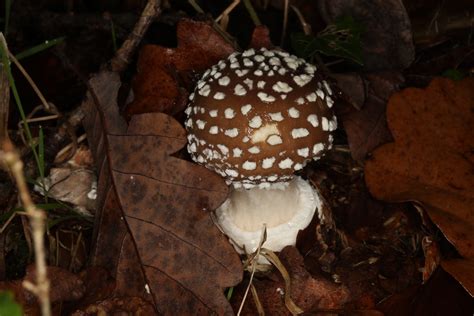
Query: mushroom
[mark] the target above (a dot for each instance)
(255, 118)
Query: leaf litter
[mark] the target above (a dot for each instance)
(176, 260)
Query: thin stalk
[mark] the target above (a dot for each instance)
(252, 13)
(11, 159)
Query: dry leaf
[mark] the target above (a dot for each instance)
(166, 203)
(261, 38)
(310, 293)
(431, 161)
(367, 128)
(166, 74)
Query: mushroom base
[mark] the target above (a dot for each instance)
(285, 209)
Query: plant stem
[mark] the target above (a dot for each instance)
(10, 157)
(252, 13)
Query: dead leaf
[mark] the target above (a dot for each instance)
(310, 293)
(72, 185)
(441, 295)
(261, 38)
(166, 203)
(64, 286)
(165, 75)
(431, 161)
(432, 255)
(367, 128)
(386, 40)
(118, 306)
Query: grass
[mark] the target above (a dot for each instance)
(6, 63)
(8, 7)
(39, 48)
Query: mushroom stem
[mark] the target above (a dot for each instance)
(285, 208)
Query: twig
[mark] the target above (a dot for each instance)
(228, 10)
(285, 23)
(4, 102)
(254, 260)
(47, 106)
(306, 27)
(10, 157)
(124, 54)
(215, 26)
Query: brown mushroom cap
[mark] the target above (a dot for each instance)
(258, 116)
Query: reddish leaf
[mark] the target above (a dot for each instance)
(261, 38)
(431, 161)
(165, 202)
(310, 293)
(162, 71)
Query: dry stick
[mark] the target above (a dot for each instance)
(124, 54)
(228, 10)
(10, 157)
(4, 102)
(254, 261)
(285, 22)
(306, 27)
(215, 26)
(33, 85)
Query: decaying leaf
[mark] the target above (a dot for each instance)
(64, 286)
(261, 38)
(310, 293)
(166, 74)
(431, 162)
(166, 203)
(367, 128)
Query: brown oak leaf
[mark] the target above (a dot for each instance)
(166, 204)
(367, 128)
(432, 162)
(164, 75)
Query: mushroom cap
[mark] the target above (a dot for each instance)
(286, 212)
(258, 116)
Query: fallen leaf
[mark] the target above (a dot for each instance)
(431, 162)
(71, 185)
(386, 39)
(165, 75)
(117, 306)
(310, 293)
(261, 38)
(64, 286)
(441, 295)
(367, 128)
(166, 203)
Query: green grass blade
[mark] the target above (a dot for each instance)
(8, 305)
(39, 48)
(114, 35)
(8, 8)
(41, 152)
(6, 63)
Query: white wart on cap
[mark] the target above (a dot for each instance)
(258, 116)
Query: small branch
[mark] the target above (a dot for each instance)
(4, 103)
(285, 23)
(228, 10)
(10, 157)
(215, 26)
(46, 105)
(123, 56)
